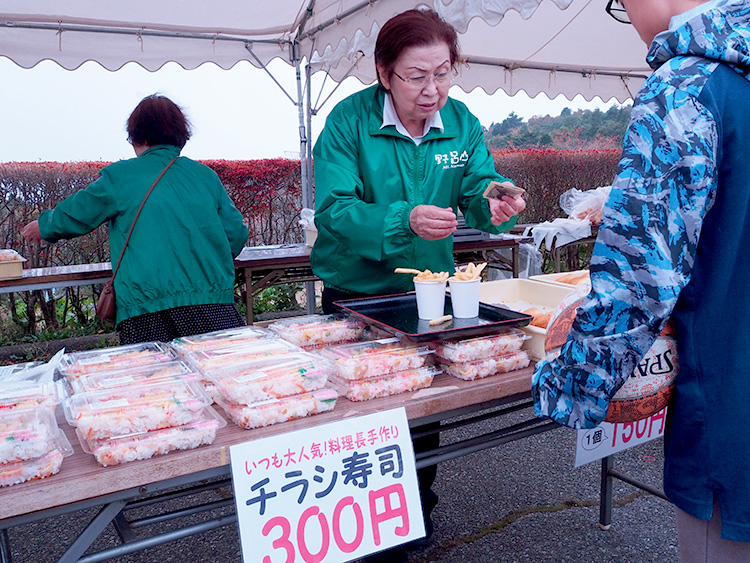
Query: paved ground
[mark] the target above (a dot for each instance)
(520, 502)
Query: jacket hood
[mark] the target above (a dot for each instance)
(721, 34)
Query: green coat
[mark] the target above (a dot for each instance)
(184, 243)
(367, 181)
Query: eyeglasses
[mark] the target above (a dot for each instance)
(619, 14)
(419, 82)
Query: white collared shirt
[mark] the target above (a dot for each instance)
(390, 117)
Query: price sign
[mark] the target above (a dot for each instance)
(332, 493)
(608, 438)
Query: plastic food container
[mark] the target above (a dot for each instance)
(136, 376)
(207, 360)
(145, 445)
(39, 467)
(386, 385)
(271, 378)
(470, 349)
(127, 410)
(280, 410)
(117, 358)
(15, 372)
(220, 339)
(377, 357)
(26, 434)
(478, 369)
(11, 264)
(20, 395)
(318, 330)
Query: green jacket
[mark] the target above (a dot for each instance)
(183, 245)
(367, 181)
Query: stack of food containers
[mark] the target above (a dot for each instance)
(31, 444)
(262, 380)
(482, 356)
(378, 368)
(134, 402)
(312, 332)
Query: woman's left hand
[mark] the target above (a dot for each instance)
(503, 209)
(31, 232)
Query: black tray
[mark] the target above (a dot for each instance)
(397, 314)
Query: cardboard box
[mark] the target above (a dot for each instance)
(535, 293)
(552, 278)
(11, 269)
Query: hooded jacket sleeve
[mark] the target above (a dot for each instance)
(644, 253)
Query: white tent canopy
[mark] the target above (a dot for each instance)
(557, 47)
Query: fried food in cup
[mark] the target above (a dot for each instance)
(424, 275)
(469, 272)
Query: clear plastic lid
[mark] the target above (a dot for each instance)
(40, 467)
(207, 360)
(116, 358)
(316, 330)
(385, 385)
(220, 339)
(136, 403)
(469, 349)
(275, 411)
(487, 366)
(376, 357)
(271, 377)
(12, 371)
(134, 376)
(144, 445)
(10, 255)
(18, 395)
(26, 434)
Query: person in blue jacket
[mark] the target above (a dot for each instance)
(671, 244)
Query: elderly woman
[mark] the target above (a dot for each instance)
(177, 272)
(393, 165)
(395, 162)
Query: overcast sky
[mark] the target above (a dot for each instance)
(51, 114)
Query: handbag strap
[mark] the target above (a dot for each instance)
(148, 193)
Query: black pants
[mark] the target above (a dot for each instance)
(169, 324)
(425, 476)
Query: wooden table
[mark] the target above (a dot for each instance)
(82, 483)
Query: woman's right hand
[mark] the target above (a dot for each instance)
(431, 222)
(31, 232)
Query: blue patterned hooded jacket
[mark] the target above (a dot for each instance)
(673, 242)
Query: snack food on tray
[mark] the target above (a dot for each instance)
(470, 349)
(376, 357)
(134, 376)
(207, 360)
(385, 385)
(115, 412)
(120, 449)
(18, 395)
(318, 330)
(26, 434)
(39, 467)
(271, 378)
(115, 359)
(220, 339)
(489, 366)
(9, 255)
(280, 410)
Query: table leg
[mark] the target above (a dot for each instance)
(514, 256)
(108, 513)
(605, 494)
(4, 547)
(249, 295)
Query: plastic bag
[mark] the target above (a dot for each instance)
(307, 219)
(585, 205)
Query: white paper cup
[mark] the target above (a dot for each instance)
(465, 298)
(430, 299)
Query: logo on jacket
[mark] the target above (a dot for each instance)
(452, 160)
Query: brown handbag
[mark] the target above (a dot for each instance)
(106, 307)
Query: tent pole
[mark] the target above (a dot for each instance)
(303, 158)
